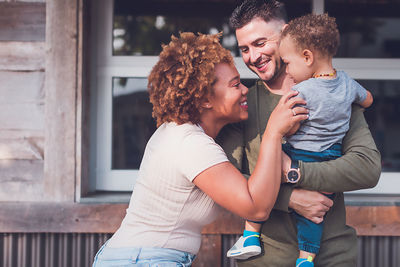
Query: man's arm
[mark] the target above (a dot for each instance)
(358, 168)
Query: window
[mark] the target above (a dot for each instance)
(127, 40)
(369, 53)
(368, 30)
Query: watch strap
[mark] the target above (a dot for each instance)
(294, 164)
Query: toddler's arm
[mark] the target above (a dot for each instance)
(368, 100)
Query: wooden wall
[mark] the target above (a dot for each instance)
(40, 104)
(22, 100)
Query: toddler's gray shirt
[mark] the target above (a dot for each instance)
(329, 104)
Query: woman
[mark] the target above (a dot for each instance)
(195, 90)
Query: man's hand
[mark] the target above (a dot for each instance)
(310, 204)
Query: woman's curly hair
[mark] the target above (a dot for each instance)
(184, 75)
(315, 32)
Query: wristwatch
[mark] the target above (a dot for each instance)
(293, 174)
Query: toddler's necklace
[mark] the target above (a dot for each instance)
(326, 74)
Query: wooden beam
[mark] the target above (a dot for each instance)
(60, 99)
(106, 218)
(375, 220)
(22, 21)
(61, 217)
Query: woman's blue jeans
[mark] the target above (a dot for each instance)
(142, 257)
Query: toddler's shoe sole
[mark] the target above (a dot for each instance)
(244, 252)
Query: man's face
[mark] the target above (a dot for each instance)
(259, 43)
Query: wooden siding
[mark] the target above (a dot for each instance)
(21, 121)
(21, 180)
(22, 56)
(38, 118)
(20, 21)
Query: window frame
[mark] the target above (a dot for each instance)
(105, 66)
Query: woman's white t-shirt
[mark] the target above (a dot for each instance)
(166, 209)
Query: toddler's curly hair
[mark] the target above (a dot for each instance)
(184, 75)
(315, 32)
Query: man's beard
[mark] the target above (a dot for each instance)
(278, 71)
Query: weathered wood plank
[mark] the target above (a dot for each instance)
(210, 251)
(22, 116)
(106, 218)
(21, 180)
(22, 21)
(16, 144)
(20, 171)
(61, 92)
(21, 87)
(22, 56)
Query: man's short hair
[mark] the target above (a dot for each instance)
(267, 10)
(318, 33)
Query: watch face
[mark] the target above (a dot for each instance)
(293, 176)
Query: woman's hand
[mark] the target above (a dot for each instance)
(287, 113)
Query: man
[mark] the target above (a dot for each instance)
(258, 25)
